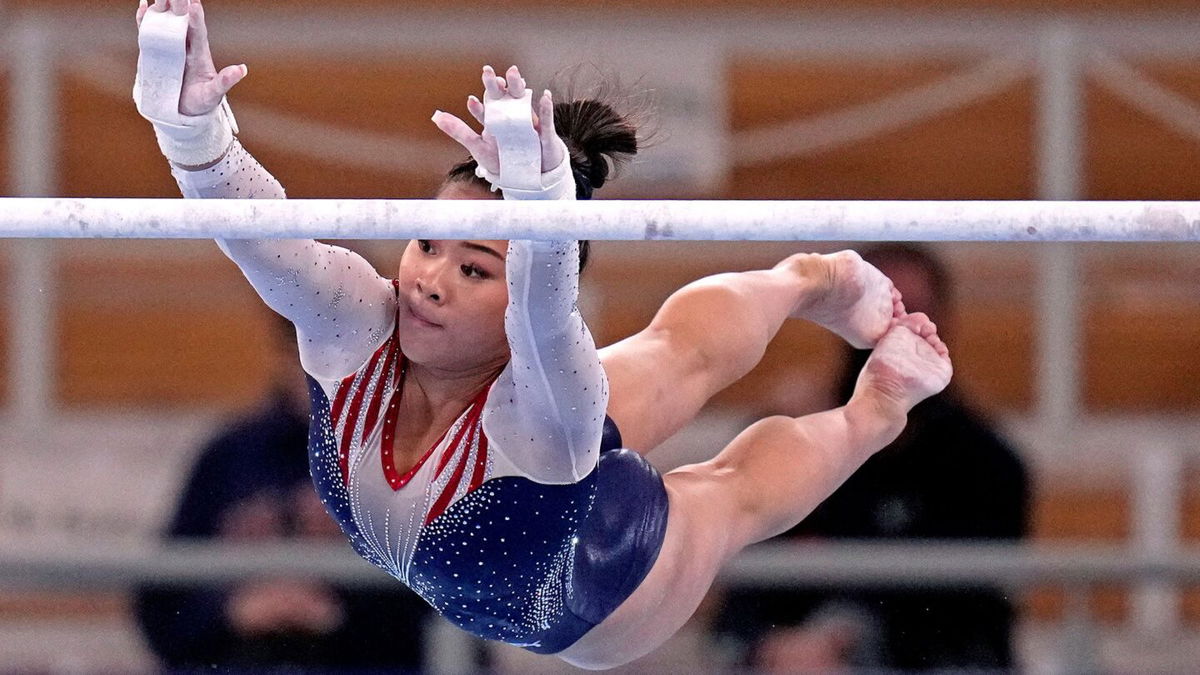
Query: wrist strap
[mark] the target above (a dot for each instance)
(185, 139)
(557, 183)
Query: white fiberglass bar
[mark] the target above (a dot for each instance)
(604, 220)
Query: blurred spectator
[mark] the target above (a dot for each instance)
(948, 477)
(251, 483)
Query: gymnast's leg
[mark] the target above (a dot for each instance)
(765, 481)
(713, 331)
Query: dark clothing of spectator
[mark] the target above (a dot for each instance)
(265, 456)
(948, 477)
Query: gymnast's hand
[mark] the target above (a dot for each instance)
(203, 86)
(483, 146)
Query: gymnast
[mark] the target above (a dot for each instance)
(466, 433)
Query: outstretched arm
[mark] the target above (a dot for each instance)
(342, 308)
(555, 393)
(549, 404)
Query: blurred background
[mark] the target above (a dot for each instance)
(128, 363)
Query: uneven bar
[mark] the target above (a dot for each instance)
(605, 220)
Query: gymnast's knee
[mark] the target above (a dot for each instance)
(698, 320)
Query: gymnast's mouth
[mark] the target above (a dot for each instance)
(420, 319)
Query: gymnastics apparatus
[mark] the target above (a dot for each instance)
(467, 434)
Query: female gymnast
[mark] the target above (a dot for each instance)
(465, 428)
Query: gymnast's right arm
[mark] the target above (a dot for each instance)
(342, 308)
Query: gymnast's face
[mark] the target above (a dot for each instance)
(452, 297)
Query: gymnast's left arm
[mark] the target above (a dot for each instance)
(558, 388)
(548, 406)
(551, 400)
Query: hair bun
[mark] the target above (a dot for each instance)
(598, 139)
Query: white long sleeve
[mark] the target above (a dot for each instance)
(343, 309)
(551, 400)
(548, 406)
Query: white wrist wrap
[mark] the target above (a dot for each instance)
(185, 139)
(510, 121)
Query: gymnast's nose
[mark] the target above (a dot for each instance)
(429, 285)
(428, 291)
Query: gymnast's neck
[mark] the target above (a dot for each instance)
(440, 388)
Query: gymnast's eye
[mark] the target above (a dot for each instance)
(425, 245)
(474, 272)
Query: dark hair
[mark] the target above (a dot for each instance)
(598, 140)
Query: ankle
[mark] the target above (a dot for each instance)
(812, 277)
(877, 417)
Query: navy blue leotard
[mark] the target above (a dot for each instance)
(525, 522)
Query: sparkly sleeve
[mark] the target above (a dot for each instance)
(342, 308)
(547, 407)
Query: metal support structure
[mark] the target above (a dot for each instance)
(1060, 171)
(1158, 475)
(32, 140)
(929, 565)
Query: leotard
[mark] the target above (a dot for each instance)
(525, 522)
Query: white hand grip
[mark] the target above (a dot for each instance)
(162, 41)
(510, 121)
(185, 139)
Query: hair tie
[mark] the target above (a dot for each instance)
(583, 186)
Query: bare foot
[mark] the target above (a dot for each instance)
(910, 364)
(852, 298)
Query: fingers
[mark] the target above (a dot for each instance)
(552, 150)
(457, 129)
(141, 12)
(516, 84)
(512, 84)
(229, 76)
(543, 113)
(202, 97)
(475, 107)
(493, 86)
(196, 20)
(482, 148)
(178, 7)
(197, 27)
(160, 5)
